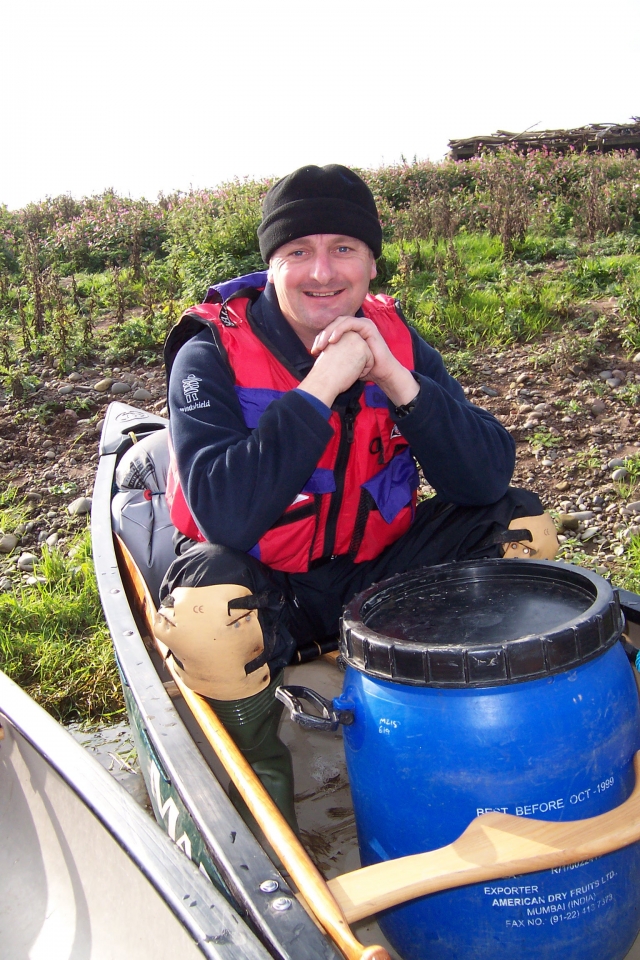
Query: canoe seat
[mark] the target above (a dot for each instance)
(139, 510)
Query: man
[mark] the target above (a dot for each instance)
(299, 407)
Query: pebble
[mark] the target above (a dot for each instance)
(619, 550)
(590, 533)
(74, 377)
(569, 521)
(5, 585)
(583, 515)
(619, 474)
(103, 385)
(99, 426)
(120, 387)
(635, 506)
(66, 390)
(142, 394)
(616, 462)
(619, 374)
(563, 485)
(605, 374)
(598, 407)
(31, 581)
(8, 543)
(52, 540)
(566, 420)
(613, 382)
(636, 359)
(79, 506)
(26, 561)
(51, 455)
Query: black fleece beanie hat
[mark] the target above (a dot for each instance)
(331, 199)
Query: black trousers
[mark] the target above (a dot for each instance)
(297, 610)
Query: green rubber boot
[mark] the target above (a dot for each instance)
(253, 725)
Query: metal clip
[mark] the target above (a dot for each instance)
(330, 718)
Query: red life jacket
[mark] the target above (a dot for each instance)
(362, 495)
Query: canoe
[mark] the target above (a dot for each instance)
(84, 871)
(187, 759)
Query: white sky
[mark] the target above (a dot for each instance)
(156, 96)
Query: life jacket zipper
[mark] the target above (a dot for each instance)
(347, 432)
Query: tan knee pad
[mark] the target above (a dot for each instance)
(213, 643)
(544, 543)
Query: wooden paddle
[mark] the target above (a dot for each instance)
(283, 840)
(295, 858)
(493, 846)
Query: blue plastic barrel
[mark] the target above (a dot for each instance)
(494, 685)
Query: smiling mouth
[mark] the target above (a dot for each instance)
(318, 295)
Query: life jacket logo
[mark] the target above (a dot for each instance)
(190, 388)
(395, 432)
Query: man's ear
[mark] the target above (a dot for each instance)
(269, 275)
(374, 271)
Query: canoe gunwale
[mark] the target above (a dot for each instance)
(241, 861)
(178, 883)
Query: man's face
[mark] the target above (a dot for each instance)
(319, 278)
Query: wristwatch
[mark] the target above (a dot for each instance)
(406, 408)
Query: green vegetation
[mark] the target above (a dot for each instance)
(497, 250)
(54, 641)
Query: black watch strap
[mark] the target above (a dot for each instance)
(406, 408)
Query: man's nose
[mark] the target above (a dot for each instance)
(322, 270)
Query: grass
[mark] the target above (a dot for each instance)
(13, 509)
(54, 642)
(630, 576)
(628, 489)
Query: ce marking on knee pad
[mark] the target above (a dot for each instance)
(198, 608)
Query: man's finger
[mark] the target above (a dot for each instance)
(334, 331)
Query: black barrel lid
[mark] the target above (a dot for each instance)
(480, 623)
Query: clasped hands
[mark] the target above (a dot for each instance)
(350, 349)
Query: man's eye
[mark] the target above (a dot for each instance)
(344, 249)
